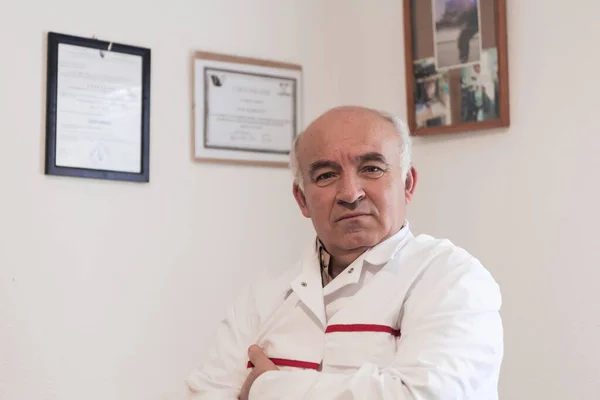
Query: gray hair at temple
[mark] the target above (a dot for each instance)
(405, 149)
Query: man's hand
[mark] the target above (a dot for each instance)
(261, 364)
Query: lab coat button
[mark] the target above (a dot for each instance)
(303, 284)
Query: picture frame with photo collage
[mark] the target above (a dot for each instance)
(456, 65)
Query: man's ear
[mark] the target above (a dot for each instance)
(411, 183)
(301, 200)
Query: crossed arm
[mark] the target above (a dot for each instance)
(451, 348)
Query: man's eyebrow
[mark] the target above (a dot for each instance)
(370, 157)
(319, 164)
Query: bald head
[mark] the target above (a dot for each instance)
(349, 120)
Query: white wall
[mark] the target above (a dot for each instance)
(102, 291)
(113, 290)
(524, 200)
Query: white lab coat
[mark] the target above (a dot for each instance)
(425, 327)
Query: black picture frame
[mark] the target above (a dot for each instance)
(54, 39)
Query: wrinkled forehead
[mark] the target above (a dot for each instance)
(346, 138)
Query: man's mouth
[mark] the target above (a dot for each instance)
(351, 216)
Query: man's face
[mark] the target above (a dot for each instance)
(354, 192)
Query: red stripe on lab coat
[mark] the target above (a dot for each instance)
(362, 328)
(282, 362)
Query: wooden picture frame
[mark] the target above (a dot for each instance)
(97, 109)
(245, 110)
(456, 65)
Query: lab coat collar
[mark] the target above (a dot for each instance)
(377, 256)
(308, 285)
(383, 252)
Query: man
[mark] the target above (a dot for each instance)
(370, 311)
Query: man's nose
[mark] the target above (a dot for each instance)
(350, 191)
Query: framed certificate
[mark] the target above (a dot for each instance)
(246, 110)
(97, 109)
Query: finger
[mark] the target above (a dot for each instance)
(259, 358)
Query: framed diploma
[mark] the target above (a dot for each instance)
(97, 109)
(246, 110)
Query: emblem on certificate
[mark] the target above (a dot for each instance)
(98, 109)
(245, 109)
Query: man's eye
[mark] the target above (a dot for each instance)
(372, 170)
(325, 176)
